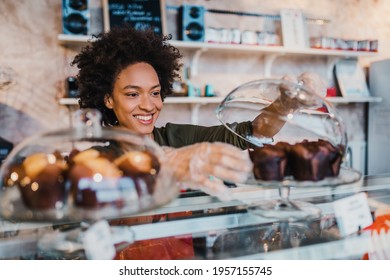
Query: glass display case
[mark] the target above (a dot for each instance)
(98, 216)
(84, 173)
(198, 226)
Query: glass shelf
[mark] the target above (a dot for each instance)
(222, 229)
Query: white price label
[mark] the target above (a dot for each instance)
(352, 213)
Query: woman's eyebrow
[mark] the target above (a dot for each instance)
(138, 87)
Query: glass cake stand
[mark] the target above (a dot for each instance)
(84, 174)
(81, 176)
(285, 209)
(283, 111)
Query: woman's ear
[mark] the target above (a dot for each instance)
(108, 101)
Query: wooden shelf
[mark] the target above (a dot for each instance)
(69, 101)
(239, 48)
(81, 40)
(354, 99)
(74, 40)
(271, 53)
(193, 100)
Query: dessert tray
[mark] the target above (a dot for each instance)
(346, 176)
(295, 139)
(85, 173)
(286, 209)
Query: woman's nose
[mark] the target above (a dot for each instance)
(146, 103)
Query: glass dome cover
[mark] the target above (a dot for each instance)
(281, 110)
(84, 173)
(270, 111)
(295, 139)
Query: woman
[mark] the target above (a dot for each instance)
(126, 74)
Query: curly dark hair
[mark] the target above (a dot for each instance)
(101, 61)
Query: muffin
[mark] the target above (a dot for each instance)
(307, 160)
(93, 179)
(314, 160)
(269, 162)
(143, 167)
(97, 179)
(41, 180)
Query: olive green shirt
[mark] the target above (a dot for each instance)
(179, 135)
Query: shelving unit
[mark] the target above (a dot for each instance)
(354, 99)
(271, 53)
(70, 40)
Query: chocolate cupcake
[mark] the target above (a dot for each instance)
(98, 180)
(142, 167)
(314, 160)
(307, 160)
(42, 181)
(269, 162)
(94, 180)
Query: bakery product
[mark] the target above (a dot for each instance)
(143, 167)
(93, 178)
(98, 180)
(315, 160)
(270, 162)
(41, 180)
(335, 157)
(307, 160)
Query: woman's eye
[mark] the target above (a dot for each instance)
(155, 93)
(132, 94)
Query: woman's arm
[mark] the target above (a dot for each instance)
(206, 165)
(272, 119)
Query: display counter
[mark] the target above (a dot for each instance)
(198, 226)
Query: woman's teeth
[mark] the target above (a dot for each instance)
(144, 118)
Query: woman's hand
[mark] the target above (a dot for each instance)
(205, 166)
(272, 119)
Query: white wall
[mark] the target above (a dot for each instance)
(29, 46)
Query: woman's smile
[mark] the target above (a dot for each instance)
(136, 98)
(145, 119)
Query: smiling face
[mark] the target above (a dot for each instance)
(136, 99)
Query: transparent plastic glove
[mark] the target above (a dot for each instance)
(271, 120)
(205, 166)
(313, 82)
